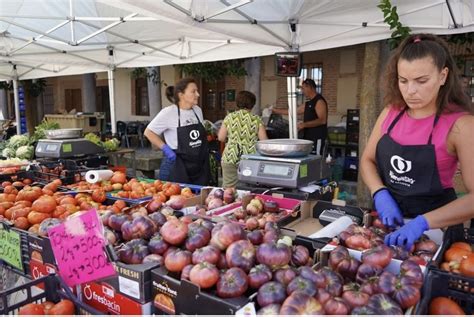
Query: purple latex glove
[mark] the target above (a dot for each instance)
(408, 234)
(387, 208)
(169, 153)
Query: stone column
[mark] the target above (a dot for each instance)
(3, 105)
(39, 108)
(252, 81)
(154, 91)
(370, 108)
(88, 93)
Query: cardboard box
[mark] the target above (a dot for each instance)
(104, 297)
(38, 270)
(174, 296)
(306, 224)
(309, 221)
(40, 249)
(190, 203)
(289, 208)
(393, 267)
(134, 280)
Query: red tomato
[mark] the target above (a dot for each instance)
(31, 309)
(467, 266)
(444, 306)
(98, 195)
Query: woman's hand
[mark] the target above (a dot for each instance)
(407, 235)
(387, 208)
(169, 153)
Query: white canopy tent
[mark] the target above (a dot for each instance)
(41, 38)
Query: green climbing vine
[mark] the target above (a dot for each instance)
(400, 32)
(37, 87)
(33, 87)
(391, 17)
(7, 85)
(214, 71)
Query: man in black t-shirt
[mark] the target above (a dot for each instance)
(315, 113)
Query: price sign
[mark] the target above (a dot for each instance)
(78, 246)
(10, 248)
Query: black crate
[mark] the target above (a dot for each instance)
(52, 289)
(352, 137)
(352, 127)
(357, 214)
(454, 282)
(353, 116)
(69, 171)
(17, 176)
(350, 175)
(435, 285)
(277, 127)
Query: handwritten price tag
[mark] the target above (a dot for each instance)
(10, 248)
(78, 248)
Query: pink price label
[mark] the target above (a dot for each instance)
(78, 246)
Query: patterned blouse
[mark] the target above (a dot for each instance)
(242, 135)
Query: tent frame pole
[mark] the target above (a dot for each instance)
(111, 82)
(17, 101)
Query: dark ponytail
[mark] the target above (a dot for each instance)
(170, 94)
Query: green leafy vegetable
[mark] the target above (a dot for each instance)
(42, 127)
(25, 152)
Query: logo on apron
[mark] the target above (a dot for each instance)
(400, 165)
(194, 135)
(195, 142)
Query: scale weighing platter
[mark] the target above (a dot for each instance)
(66, 148)
(280, 171)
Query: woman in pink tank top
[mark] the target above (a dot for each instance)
(417, 142)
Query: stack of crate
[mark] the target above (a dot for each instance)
(351, 160)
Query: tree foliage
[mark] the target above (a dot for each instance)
(214, 71)
(391, 17)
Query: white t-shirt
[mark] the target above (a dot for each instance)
(166, 123)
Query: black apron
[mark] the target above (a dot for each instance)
(411, 175)
(192, 155)
(318, 133)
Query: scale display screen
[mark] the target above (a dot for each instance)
(278, 170)
(51, 147)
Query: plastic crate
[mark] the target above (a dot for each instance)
(127, 200)
(353, 115)
(54, 289)
(455, 282)
(68, 171)
(352, 137)
(337, 135)
(87, 122)
(350, 175)
(17, 176)
(435, 285)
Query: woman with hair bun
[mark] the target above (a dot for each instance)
(178, 131)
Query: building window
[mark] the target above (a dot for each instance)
(73, 100)
(141, 97)
(48, 100)
(315, 72)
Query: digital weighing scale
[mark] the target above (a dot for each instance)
(284, 172)
(66, 148)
